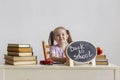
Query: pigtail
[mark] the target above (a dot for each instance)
(51, 38)
(69, 40)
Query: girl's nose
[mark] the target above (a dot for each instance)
(60, 36)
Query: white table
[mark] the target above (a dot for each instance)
(60, 72)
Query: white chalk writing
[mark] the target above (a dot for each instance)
(81, 52)
(78, 56)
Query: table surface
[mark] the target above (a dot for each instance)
(60, 66)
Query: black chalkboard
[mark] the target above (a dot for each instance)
(81, 51)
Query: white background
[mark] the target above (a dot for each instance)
(30, 21)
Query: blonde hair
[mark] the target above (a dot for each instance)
(51, 35)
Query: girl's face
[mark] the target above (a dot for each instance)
(60, 36)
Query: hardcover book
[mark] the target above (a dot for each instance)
(21, 62)
(20, 58)
(101, 57)
(101, 61)
(18, 45)
(20, 53)
(19, 49)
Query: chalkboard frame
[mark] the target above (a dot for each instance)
(82, 61)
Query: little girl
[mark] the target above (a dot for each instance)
(62, 38)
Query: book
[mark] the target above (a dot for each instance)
(19, 49)
(20, 53)
(19, 58)
(101, 61)
(101, 57)
(20, 62)
(18, 45)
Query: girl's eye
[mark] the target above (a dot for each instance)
(60, 35)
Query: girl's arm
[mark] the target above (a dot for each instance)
(63, 60)
(54, 56)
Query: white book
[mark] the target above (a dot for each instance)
(101, 60)
(20, 62)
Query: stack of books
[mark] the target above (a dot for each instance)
(101, 60)
(20, 54)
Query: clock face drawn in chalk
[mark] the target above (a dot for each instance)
(81, 51)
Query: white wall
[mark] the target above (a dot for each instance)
(30, 21)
